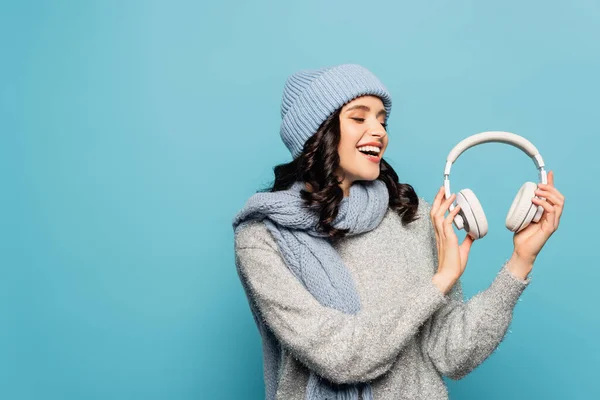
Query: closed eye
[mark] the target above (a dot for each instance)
(363, 120)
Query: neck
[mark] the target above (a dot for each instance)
(345, 186)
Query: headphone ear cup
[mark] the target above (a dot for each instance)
(472, 213)
(522, 210)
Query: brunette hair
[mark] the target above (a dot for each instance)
(317, 165)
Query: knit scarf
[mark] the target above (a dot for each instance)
(316, 264)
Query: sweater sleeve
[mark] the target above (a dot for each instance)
(340, 347)
(461, 335)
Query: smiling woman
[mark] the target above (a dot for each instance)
(333, 157)
(339, 260)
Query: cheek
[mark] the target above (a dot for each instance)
(347, 146)
(346, 149)
(347, 152)
(350, 136)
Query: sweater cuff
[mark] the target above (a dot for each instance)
(435, 297)
(508, 287)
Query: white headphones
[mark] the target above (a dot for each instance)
(522, 211)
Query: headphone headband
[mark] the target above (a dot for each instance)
(501, 137)
(492, 136)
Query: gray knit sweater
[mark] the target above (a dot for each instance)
(406, 336)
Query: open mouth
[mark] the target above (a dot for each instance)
(371, 154)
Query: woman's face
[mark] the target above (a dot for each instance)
(361, 123)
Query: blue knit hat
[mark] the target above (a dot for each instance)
(312, 95)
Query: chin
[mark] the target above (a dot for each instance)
(360, 172)
(368, 177)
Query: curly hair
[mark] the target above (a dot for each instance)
(317, 166)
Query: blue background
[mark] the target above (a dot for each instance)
(131, 133)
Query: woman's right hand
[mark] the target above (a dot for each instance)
(452, 257)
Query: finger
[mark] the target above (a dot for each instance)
(552, 189)
(554, 200)
(446, 205)
(432, 214)
(440, 221)
(468, 238)
(551, 178)
(547, 206)
(447, 229)
(448, 220)
(467, 242)
(558, 203)
(434, 207)
(437, 200)
(549, 215)
(436, 203)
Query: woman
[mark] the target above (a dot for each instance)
(353, 279)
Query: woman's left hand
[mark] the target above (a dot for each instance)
(530, 240)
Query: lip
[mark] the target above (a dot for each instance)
(374, 159)
(376, 144)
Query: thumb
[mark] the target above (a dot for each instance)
(467, 243)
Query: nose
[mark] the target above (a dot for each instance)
(376, 129)
(378, 132)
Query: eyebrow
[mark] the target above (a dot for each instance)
(365, 108)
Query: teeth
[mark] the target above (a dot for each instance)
(369, 148)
